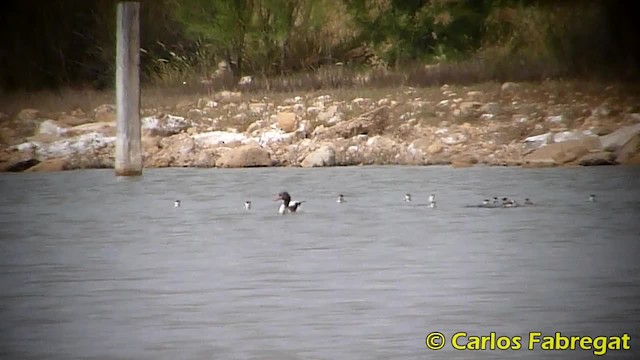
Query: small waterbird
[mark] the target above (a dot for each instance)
(287, 204)
(432, 201)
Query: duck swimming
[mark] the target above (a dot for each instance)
(432, 201)
(508, 203)
(592, 198)
(247, 205)
(287, 204)
(176, 203)
(407, 197)
(341, 199)
(528, 201)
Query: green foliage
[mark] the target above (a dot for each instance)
(256, 36)
(404, 31)
(57, 43)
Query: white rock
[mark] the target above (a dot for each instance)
(555, 119)
(455, 139)
(544, 138)
(324, 156)
(619, 137)
(258, 108)
(213, 138)
(313, 110)
(272, 136)
(360, 101)
(571, 135)
(67, 147)
(166, 125)
(52, 127)
(509, 86)
(443, 103)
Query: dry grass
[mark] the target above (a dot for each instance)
(421, 83)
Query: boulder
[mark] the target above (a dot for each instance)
(52, 127)
(491, 108)
(25, 124)
(48, 166)
(538, 141)
(462, 161)
(258, 108)
(44, 138)
(619, 138)
(630, 150)
(287, 121)
(599, 158)
(106, 129)
(18, 162)
(370, 123)
(245, 156)
(509, 87)
(561, 153)
(324, 156)
(72, 120)
(204, 159)
(164, 125)
(426, 146)
(469, 108)
(218, 138)
(105, 113)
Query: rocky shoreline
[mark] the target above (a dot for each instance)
(510, 124)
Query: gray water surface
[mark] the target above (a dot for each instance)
(98, 267)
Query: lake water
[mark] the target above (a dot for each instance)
(98, 267)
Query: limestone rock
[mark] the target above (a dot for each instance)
(599, 158)
(491, 108)
(106, 129)
(48, 165)
(105, 113)
(324, 156)
(620, 137)
(509, 87)
(245, 156)
(561, 153)
(164, 125)
(630, 150)
(287, 121)
(17, 161)
(370, 123)
(72, 120)
(52, 127)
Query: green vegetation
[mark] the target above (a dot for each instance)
(281, 42)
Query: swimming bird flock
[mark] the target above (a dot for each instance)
(290, 206)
